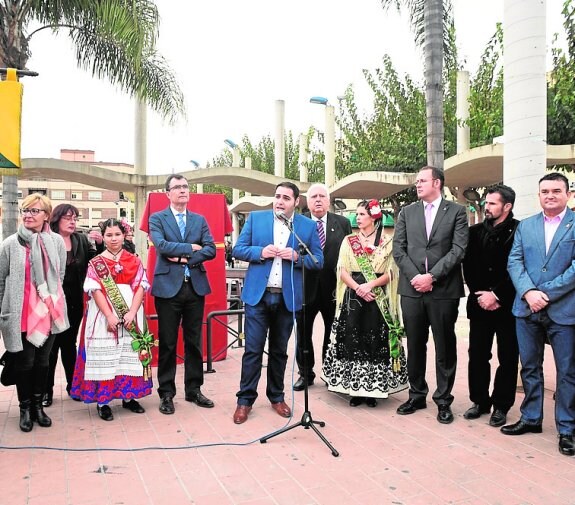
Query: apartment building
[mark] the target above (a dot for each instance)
(94, 204)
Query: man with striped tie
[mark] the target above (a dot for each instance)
(183, 242)
(320, 284)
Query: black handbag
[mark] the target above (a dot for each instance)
(8, 363)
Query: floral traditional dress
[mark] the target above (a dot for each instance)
(358, 360)
(107, 367)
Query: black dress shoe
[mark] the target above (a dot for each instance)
(133, 406)
(47, 399)
(498, 418)
(444, 414)
(475, 411)
(371, 402)
(199, 399)
(566, 445)
(167, 405)
(355, 401)
(300, 384)
(105, 412)
(410, 406)
(519, 428)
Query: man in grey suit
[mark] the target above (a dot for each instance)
(320, 284)
(542, 268)
(183, 242)
(428, 246)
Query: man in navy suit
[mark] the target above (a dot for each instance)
(272, 293)
(183, 242)
(428, 246)
(320, 284)
(542, 268)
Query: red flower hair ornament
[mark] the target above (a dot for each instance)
(374, 209)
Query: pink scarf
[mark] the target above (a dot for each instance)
(46, 308)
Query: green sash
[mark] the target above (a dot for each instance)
(396, 331)
(142, 341)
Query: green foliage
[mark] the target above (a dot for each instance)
(486, 94)
(113, 39)
(561, 86)
(263, 160)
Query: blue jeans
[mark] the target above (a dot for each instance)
(531, 333)
(270, 314)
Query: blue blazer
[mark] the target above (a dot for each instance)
(257, 233)
(553, 273)
(167, 239)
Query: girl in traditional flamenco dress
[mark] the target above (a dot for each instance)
(114, 352)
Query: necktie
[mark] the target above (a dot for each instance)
(428, 218)
(182, 227)
(321, 233)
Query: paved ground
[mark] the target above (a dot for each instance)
(199, 456)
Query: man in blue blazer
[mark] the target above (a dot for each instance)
(542, 268)
(183, 242)
(272, 293)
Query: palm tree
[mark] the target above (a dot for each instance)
(114, 39)
(430, 21)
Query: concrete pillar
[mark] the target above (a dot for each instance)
(280, 159)
(524, 101)
(462, 112)
(140, 165)
(303, 170)
(199, 188)
(248, 166)
(329, 140)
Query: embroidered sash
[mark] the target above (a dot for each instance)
(396, 330)
(142, 341)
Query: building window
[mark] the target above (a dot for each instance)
(96, 214)
(19, 194)
(76, 195)
(94, 195)
(58, 194)
(40, 191)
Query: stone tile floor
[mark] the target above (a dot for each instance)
(199, 456)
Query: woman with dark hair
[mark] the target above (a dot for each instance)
(114, 352)
(365, 358)
(32, 304)
(78, 252)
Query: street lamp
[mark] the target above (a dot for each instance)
(329, 139)
(235, 192)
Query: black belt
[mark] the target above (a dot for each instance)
(275, 291)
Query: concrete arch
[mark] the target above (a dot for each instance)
(477, 167)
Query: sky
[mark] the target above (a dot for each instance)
(233, 60)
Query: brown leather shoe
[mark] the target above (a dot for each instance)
(241, 414)
(282, 409)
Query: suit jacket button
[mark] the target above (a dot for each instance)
(544, 270)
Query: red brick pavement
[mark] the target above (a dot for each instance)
(199, 456)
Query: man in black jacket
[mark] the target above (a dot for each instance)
(491, 295)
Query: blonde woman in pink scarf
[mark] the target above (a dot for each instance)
(32, 304)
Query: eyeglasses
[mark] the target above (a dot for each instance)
(70, 218)
(423, 181)
(33, 212)
(179, 186)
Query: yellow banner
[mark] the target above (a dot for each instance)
(10, 123)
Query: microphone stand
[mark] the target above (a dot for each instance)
(306, 419)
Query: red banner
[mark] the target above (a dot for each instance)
(215, 209)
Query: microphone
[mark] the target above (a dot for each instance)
(282, 217)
